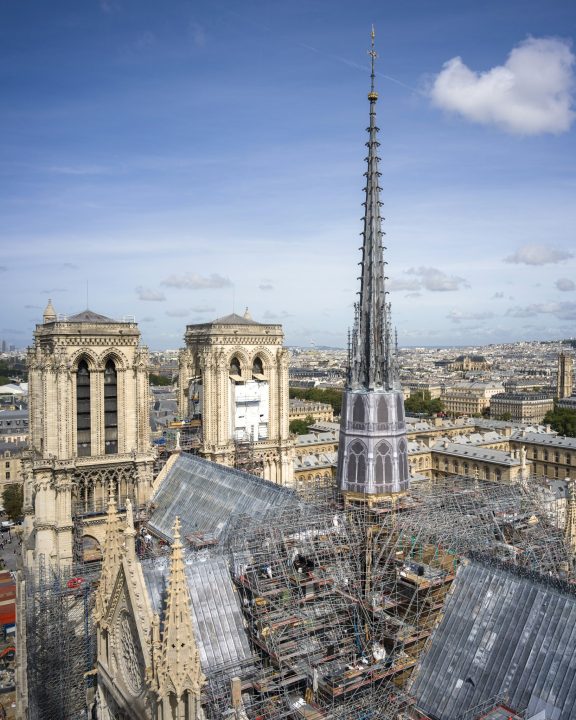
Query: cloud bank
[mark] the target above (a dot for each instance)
(193, 281)
(538, 255)
(530, 94)
(560, 310)
(149, 295)
(436, 280)
(565, 285)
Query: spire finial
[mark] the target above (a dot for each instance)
(372, 95)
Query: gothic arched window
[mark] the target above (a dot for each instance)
(110, 408)
(400, 408)
(83, 424)
(257, 367)
(359, 411)
(383, 410)
(356, 469)
(383, 463)
(403, 460)
(235, 366)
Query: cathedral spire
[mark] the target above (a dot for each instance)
(179, 670)
(371, 360)
(373, 450)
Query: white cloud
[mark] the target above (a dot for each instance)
(560, 310)
(398, 284)
(498, 296)
(150, 295)
(457, 316)
(530, 94)
(565, 284)
(266, 286)
(534, 254)
(269, 315)
(203, 309)
(182, 312)
(436, 280)
(193, 281)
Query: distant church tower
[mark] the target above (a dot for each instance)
(564, 377)
(373, 451)
(89, 432)
(233, 378)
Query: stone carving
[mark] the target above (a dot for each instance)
(130, 655)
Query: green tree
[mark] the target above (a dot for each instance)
(12, 501)
(158, 379)
(332, 396)
(562, 420)
(505, 416)
(301, 427)
(421, 403)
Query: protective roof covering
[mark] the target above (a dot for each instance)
(216, 613)
(503, 633)
(206, 496)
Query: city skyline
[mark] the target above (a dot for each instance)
(189, 161)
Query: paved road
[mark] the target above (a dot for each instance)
(9, 548)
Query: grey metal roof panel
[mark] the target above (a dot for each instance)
(502, 634)
(215, 606)
(206, 496)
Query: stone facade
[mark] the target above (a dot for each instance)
(233, 377)
(88, 430)
(302, 409)
(522, 407)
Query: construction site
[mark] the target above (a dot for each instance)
(339, 601)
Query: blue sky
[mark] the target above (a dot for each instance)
(184, 159)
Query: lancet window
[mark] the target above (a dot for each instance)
(83, 419)
(110, 408)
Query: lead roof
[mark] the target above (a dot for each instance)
(216, 613)
(502, 633)
(207, 497)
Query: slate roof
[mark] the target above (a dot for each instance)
(206, 496)
(502, 634)
(216, 612)
(89, 317)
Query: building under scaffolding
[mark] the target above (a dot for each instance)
(334, 606)
(60, 641)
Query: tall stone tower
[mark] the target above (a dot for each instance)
(234, 380)
(373, 451)
(564, 383)
(89, 431)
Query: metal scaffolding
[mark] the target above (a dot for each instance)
(60, 642)
(340, 601)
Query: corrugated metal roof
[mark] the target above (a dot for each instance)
(205, 496)
(216, 612)
(502, 634)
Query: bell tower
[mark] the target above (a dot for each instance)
(89, 431)
(234, 384)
